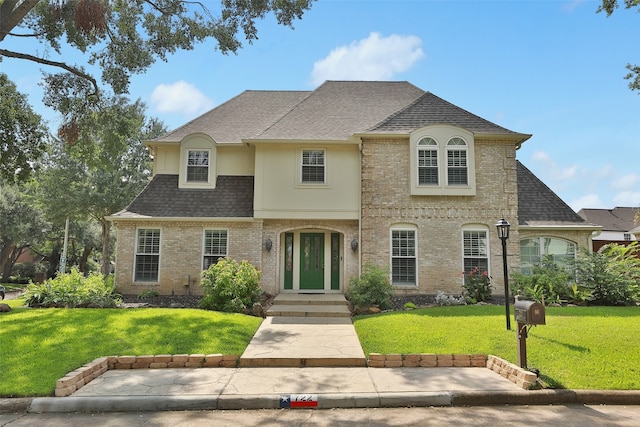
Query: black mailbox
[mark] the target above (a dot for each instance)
(529, 312)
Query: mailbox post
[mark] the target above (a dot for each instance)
(526, 313)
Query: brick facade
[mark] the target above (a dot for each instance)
(439, 220)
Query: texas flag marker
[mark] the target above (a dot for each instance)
(298, 401)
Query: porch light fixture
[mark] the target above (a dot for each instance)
(268, 245)
(503, 234)
(354, 245)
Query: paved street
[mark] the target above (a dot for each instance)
(567, 416)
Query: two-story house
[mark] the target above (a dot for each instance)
(309, 186)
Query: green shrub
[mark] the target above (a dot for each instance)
(477, 286)
(612, 275)
(409, 305)
(371, 288)
(73, 290)
(149, 293)
(230, 286)
(548, 283)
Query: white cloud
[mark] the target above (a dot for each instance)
(373, 58)
(180, 97)
(627, 182)
(587, 201)
(553, 171)
(627, 199)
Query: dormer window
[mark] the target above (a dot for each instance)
(442, 161)
(198, 166)
(457, 173)
(427, 162)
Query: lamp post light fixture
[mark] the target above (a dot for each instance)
(503, 234)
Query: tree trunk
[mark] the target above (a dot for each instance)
(82, 264)
(5, 265)
(106, 261)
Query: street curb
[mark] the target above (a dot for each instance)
(324, 401)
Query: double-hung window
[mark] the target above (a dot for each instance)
(147, 255)
(215, 247)
(476, 251)
(457, 169)
(403, 257)
(198, 166)
(313, 167)
(427, 161)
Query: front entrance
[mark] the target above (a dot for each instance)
(311, 261)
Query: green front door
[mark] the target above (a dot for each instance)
(311, 261)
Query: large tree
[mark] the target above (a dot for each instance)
(609, 6)
(22, 133)
(124, 37)
(104, 170)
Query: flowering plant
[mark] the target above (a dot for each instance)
(477, 285)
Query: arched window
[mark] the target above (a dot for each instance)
(427, 161)
(534, 249)
(457, 168)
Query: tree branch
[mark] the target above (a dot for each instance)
(62, 65)
(11, 16)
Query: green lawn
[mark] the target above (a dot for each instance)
(39, 346)
(579, 347)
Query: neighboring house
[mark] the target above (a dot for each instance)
(309, 186)
(618, 225)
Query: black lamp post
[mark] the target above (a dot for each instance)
(503, 234)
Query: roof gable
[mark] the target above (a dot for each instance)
(539, 205)
(429, 109)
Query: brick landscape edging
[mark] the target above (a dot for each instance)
(377, 360)
(517, 375)
(75, 380)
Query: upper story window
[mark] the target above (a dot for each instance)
(198, 166)
(627, 236)
(457, 173)
(313, 167)
(427, 161)
(442, 161)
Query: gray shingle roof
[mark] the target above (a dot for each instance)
(430, 110)
(339, 109)
(617, 219)
(538, 205)
(244, 116)
(232, 198)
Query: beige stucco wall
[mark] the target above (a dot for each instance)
(279, 194)
(181, 252)
(440, 220)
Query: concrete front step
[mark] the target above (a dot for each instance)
(312, 299)
(308, 310)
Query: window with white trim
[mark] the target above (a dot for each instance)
(198, 166)
(428, 161)
(533, 250)
(215, 247)
(313, 167)
(475, 250)
(147, 255)
(403, 257)
(457, 171)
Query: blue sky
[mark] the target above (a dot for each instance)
(551, 68)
